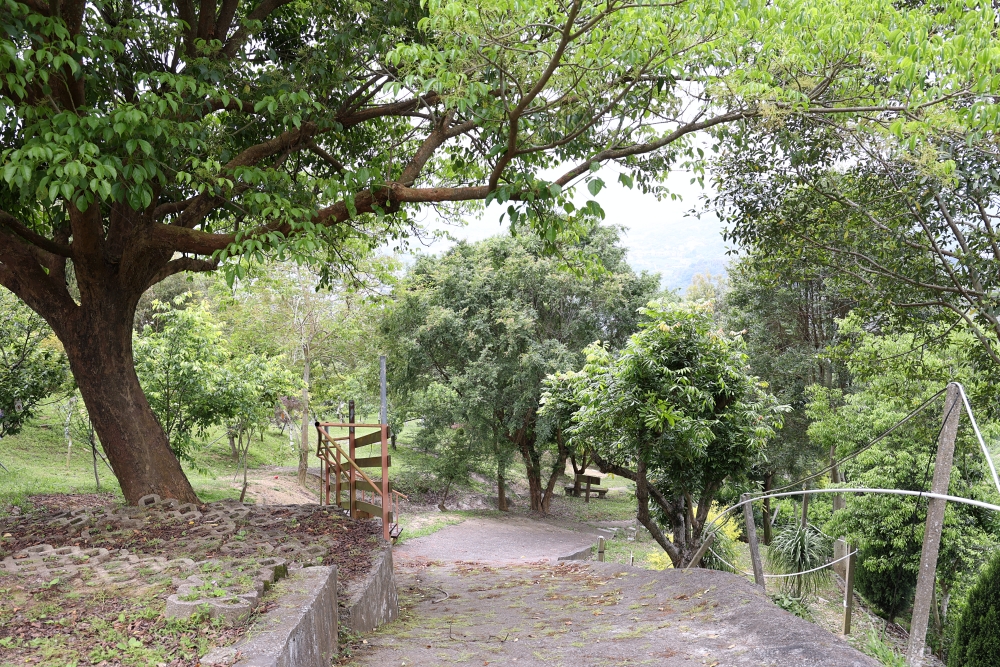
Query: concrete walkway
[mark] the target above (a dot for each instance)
(508, 540)
(592, 614)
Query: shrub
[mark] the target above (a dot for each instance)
(887, 588)
(977, 639)
(800, 549)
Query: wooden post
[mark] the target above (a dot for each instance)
(338, 473)
(852, 562)
(700, 553)
(600, 549)
(386, 505)
(384, 414)
(924, 597)
(758, 568)
(352, 504)
(839, 502)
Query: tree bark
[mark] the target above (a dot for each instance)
(99, 348)
(304, 443)
(501, 489)
(768, 479)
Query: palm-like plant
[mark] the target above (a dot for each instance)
(799, 549)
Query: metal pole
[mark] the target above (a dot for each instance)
(758, 568)
(852, 562)
(924, 597)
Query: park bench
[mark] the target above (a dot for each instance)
(588, 491)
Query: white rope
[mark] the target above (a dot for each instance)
(782, 576)
(979, 436)
(896, 492)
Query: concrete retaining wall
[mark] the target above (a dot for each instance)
(372, 601)
(300, 632)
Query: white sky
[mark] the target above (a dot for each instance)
(661, 236)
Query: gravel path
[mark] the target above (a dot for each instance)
(591, 614)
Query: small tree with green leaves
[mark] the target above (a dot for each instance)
(977, 638)
(677, 412)
(31, 363)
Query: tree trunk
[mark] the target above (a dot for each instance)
(99, 348)
(577, 471)
(304, 443)
(501, 490)
(232, 446)
(93, 453)
(768, 479)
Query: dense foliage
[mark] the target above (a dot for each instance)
(675, 410)
(144, 140)
(195, 380)
(32, 365)
(977, 638)
(475, 331)
(895, 376)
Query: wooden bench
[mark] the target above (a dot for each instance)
(600, 493)
(587, 491)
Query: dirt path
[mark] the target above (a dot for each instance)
(593, 614)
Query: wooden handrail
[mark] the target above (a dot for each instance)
(349, 459)
(348, 425)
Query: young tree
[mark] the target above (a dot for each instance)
(675, 411)
(491, 320)
(143, 140)
(328, 335)
(179, 359)
(31, 365)
(788, 317)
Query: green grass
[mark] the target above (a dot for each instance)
(37, 462)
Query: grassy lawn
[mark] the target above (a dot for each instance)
(37, 461)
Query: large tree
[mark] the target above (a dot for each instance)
(145, 139)
(480, 328)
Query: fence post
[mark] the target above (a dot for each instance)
(758, 569)
(600, 549)
(700, 553)
(351, 502)
(852, 562)
(924, 597)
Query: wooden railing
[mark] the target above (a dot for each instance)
(346, 469)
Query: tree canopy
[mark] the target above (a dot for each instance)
(476, 331)
(676, 411)
(143, 140)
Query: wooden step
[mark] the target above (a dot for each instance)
(373, 462)
(362, 485)
(362, 506)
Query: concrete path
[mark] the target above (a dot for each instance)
(591, 614)
(497, 540)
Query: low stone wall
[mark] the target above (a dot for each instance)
(370, 602)
(300, 632)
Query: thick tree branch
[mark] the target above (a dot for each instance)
(14, 225)
(180, 265)
(259, 13)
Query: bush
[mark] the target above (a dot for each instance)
(887, 588)
(977, 639)
(797, 549)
